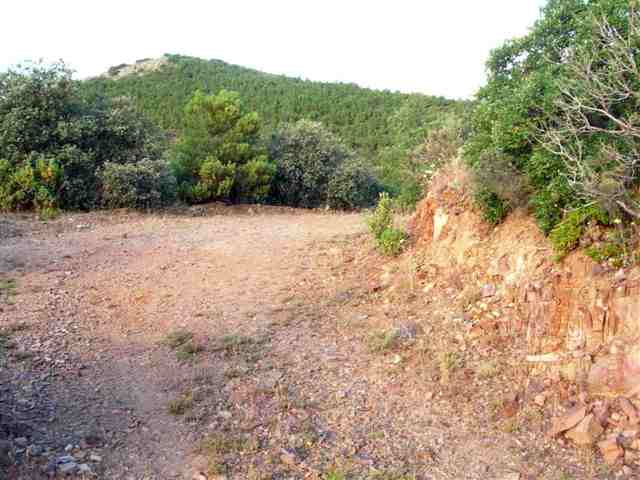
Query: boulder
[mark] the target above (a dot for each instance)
(586, 432)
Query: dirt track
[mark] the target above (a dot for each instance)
(281, 381)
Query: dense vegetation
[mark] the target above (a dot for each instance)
(381, 126)
(54, 144)
(555, 128)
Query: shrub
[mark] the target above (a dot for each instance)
(391, 241)
(54, 141)
(32, 184)
(382, 217)
(218, 157)
(565, 235)
(553, 106)
(388, 239)
(146, 184)
(307, 155)
(352, 186)
(494, 209)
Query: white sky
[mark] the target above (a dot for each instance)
(437, 47)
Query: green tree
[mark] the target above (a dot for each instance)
(218, 157)
(520, 98)
(54, 141)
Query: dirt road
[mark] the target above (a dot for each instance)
(244, 343)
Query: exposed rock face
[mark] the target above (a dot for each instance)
(141, 66)
(574, 306)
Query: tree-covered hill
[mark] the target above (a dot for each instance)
(368, 120)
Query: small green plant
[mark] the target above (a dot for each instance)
(449, 361)
(609, 252)
(382, 217)
(180, 405)
(188, 350)
(8, 290)
(216, 446)
(494, 209)
(487, 369)
(384, 340)
(565, 236)
(389, 239)
(334, 475)
(391, 242)
(177, 338)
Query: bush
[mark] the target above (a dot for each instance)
(352, 186)
(382, 217)
(146, 184)
(32, 184)
(307, 155)
(553, 107)
(566, 234)
(54, 141)
(391, 242)
(494, 209)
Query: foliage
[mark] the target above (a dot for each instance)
(391, 241)
(494, 209)
(146, 184)
(33, 183)
(609, 251)
(566, 234)
(382, 217)
(217, 157)
(360, 116)
(352, 186)
(527, 77)
(54, 141)
(306, 155)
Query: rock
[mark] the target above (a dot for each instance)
(488, 290)
(95, 458)
(288, 456)
(68, 448)
(226, 414)
(629, 409)
(34, 450)
(540, 399)
(610, 450)
(586, 432)
(511, 476)
(85, 469)
(199, 476)
(66, 459)
(68, 468)
(567, 421)
(428, 396)
(21, 442)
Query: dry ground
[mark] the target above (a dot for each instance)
(251, 343)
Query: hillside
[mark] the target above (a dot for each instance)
(366, 119)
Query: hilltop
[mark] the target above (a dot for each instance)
(366, 119)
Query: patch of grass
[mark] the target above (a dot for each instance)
(449, 362)
(22, 355)
(188, 350)
(180, 405)
(383, 341)
(334, 475)
(215, 446)
(177, 338)
(487, 369)
(8, 290)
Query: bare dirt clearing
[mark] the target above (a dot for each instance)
(244, 343)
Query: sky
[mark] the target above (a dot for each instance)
(437, 47)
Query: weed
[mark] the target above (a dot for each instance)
(384, 340)
(188, 350)
(8, 290)
(392, 241)
(216, 446)
(177, 338)
(334, 475)
(487, 369)
(448, 363)
(180, 405)
(22, 355)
